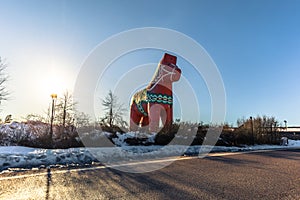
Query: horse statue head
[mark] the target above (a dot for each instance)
(155, 102)
(166, 73)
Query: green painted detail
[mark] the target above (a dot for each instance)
(143, 97)
(141, 109)
(159, 98)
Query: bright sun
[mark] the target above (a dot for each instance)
(55, 82)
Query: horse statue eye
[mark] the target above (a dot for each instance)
(173, 65)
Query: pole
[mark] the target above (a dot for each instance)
(53, 96)
(285, 125)
(65, 111)
(51, 121)
(252, 131)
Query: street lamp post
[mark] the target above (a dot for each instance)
(252, 131)
(53, 96)
(285, 125)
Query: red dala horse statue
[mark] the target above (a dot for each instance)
(155, 102)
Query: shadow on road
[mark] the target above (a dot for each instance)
(231, 161)
(48, 183)
(282, 154)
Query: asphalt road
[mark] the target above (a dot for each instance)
(256, 175)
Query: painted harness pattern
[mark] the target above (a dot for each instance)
(145, 96)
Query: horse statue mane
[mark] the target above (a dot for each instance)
(158, 91)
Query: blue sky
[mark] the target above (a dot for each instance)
(255, 44)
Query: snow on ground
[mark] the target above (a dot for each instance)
(24, 157)
(120, 140)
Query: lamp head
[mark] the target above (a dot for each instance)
(54, 96)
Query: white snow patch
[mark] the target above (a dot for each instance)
(120, 140)
(295, 143)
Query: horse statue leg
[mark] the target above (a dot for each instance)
(167, 115)
(169, 120)
(135, 117)
(154, 117)
(145, 121)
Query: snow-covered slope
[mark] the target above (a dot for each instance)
(24, 157)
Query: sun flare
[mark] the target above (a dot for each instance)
(55, 82)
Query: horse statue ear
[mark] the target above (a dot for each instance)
(168, 59)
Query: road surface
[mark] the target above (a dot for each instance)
(256, 175)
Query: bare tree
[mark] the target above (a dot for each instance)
(35, 117)
(114, 111)
(259, 128)
(65, 110)
(3, 80)
(81, 119)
